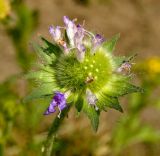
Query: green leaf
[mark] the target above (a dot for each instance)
(92, 114)
(119, 60)
(42, 91)
(41, 53)
(46, 68)
(51, 48)
(108, 101)
(110, 45)
(79, 102)
(119, 85)
(42, 76)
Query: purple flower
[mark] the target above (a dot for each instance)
(71, 29)
(125, 68)
(97, 41)
(78, 41)
(59, 100)
(79, 35)
(57, 36)
(80, 52)
(91, 98)
(75, 35)
(56, 33)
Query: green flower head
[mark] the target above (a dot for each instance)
(78, 68)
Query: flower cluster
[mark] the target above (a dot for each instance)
(76, 35)
(79, 68)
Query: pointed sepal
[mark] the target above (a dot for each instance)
(79, 102)
(109, 46)
(105, 101)
(41, 75)
(51, 48)
(46, 89)
(120, 85)
(42, 55)
(92, 114)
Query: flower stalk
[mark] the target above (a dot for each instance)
(49, 143)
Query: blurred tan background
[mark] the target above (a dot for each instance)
(138, 22)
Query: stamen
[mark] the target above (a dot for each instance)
(89, 34)
(59, 114)
(62, 27)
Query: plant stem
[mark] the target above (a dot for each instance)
(1, 149)
(48, 145)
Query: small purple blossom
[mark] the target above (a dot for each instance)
(78, 41)
(56, 33)
(125, 68)
(80, 52)
(97, 41)
(76, 34)
(91, 98)
(79, 35)
(57, 36)
(59, 100)
(71, 29)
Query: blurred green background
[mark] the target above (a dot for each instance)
(23, 128)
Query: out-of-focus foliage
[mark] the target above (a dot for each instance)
(18, 21)
(19, 25)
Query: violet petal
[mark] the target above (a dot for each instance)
(56, 33)
(58, 100)
(71, 29)
(97, 41)
(51, 108)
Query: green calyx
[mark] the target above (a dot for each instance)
(93, 73)
(97, 72)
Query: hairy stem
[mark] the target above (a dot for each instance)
(48, 145)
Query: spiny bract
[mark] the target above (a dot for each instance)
(78, 68)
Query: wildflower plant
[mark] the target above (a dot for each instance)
(79, 69)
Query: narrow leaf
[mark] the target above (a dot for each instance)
(109, 101)
(41, 53)
(92, 114)
(51, 48)
(110, 45)
(42, 91)
(119, 60)
(79, 103)
(42, 76)
(119, 85)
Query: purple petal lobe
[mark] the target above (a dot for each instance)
(97, 41)
(78, 40)
(58, 100)
(80, 52)
(66, 20)
(51, 108)
(62, 105)
(79, 35)
(56, 33)
(71, 29)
